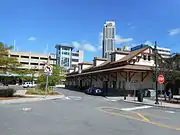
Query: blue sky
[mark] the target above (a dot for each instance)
(36, 23)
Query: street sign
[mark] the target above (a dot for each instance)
(48, 69)
(48, 72)
(161, 79)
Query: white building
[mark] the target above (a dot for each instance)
(108, 43)
(125, 71)
(164, 52)
(77, 57)
(30, 60)
(66, 57)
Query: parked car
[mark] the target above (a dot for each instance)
(94, 91)
(28, 85)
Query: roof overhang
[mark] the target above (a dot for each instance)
(133, 68)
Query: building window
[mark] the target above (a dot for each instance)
(24, 63)
(44, 58)
(15, 56)
(149, 58)
(75, 60)
(114, 84)
(119, 84)
(112, 57)
(65, 62)
(65, 53)
(25, 57)
(34, 63)
(75, 54)
(42, 64)
(35, 58)
(145, 57)
(123, 85)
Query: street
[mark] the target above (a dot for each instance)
(81, 114)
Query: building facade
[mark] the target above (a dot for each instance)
(30, 60)
(66, 58)
(108, 42)
(64, 55)
(164, 52)
(127, 71)
(77, 57)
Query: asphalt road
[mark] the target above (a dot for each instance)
(81, 114)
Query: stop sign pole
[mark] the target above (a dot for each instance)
(156, 69)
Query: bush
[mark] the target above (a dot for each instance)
(41, 92)
(8, 92)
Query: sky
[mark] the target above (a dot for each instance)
(38, 25)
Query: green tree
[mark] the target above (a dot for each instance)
(7, 64)
(57, 77)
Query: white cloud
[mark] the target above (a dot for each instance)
(89, 47)
(76, 45)
(120, 40)
(99, 47)
(148, 42)
(84, 46)
(32, 38)
(173, 32)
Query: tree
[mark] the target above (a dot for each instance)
(57, 77)
(170, 68)
(7, 64)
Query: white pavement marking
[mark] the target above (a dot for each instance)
(169, 111)
(75, 97)
(26, 109)
(136, 108)
(110, 100)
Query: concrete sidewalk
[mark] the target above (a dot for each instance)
(145, 102)
(31, 98)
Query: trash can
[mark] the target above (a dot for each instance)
(140, 96)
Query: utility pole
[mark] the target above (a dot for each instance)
(156, 71)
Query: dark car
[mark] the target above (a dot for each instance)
(94, 91)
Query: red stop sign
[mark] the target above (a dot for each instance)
(161, 79)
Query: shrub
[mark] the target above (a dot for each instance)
(41, 92)
(7, 92)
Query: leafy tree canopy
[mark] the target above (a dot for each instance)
(7, 64)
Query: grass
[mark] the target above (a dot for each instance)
(41, 92)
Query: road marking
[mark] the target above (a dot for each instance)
(26, 109)
(169, 111)
(139, 119)
(75, 97)
(113, 100)
(136, 108)
(142, 116)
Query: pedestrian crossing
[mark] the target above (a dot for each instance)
(70, 98)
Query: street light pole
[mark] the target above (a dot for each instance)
(156, 71)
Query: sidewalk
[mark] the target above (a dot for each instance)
(146, 102)
(31, 98)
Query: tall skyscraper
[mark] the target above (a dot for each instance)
(108, 42)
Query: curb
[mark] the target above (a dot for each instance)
(30, 99)
(158, 106)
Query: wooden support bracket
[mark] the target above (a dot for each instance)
(124, 75)
(114, 75)
(94, 77)
(144, 75)
(130, 75)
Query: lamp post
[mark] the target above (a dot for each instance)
(156, 71)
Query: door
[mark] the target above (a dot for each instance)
(105, 87)
(80, 83)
